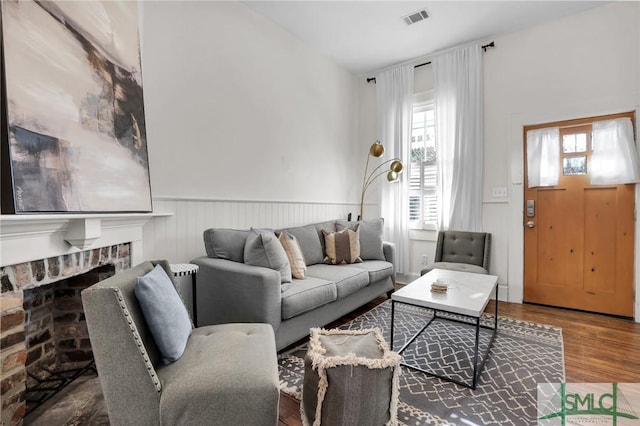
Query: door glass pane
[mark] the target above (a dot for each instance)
(574, 165)
(569, 143)
(581, 142)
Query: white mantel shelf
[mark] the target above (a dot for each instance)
(31, 237)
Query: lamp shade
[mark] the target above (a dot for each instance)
(396, 166)
(376, 149)
(392, 176)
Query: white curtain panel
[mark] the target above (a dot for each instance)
(394, 89)
(614, 159)
(459, 137)
(543, 157)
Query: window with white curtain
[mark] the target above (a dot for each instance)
(601, 148)
(423, 169)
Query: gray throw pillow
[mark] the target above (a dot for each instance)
(225, 243)
(328, 226)
(262, 248)
(164, 312)
(370, 237)
(309, 242)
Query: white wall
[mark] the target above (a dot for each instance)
(238, 109)
(242, 114)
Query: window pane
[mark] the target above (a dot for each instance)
(569, 143)
(574, 165)
(430, 136)
(581, 142)
(430, 117)
(419, 119)
(431, 156)
(417, 153)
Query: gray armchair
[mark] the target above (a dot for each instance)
(462, 251)
(227, 374)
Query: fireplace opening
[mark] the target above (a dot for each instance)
(56, 336)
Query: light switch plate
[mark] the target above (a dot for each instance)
(499, 192)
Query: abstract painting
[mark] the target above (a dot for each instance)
(75, 120)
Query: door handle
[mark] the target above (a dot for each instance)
(531, 224)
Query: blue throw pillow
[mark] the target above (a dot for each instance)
(166, 315)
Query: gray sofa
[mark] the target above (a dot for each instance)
(228, 290)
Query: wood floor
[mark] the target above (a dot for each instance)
(597, 348)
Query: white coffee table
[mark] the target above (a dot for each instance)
(467, 295)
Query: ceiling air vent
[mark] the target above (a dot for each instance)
(418, 16)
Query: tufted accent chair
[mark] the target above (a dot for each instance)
(227, 375)
(462, 251)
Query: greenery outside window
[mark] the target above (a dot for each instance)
(423, 169)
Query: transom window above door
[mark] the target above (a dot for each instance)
(576, 150)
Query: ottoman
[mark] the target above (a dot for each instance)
(350, 378)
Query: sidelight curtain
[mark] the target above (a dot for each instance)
(614, 159)
(543, 157)
(459, 137)
(394, 90)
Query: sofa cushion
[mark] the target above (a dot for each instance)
(306, 295)
(377, 269)
(309, 242)
(347, 279)
(164, 312)
(294, 254)
(225, 243)
(370, 237)
(222, 368)
(342, 247)
(262, 248)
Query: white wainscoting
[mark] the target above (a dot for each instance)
(178, 238)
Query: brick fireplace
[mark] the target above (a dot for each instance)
(45, 262)
(48, 331)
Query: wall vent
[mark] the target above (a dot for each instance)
(418, 16)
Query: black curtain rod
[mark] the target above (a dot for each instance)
(484, 49)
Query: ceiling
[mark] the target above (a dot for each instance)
(364, 36)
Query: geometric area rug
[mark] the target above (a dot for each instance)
(523, 354)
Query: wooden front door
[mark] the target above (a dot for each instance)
(579, 241)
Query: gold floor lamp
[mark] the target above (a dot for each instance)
(393, 174)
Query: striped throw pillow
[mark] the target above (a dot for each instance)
(294, 253)
(342, 247)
